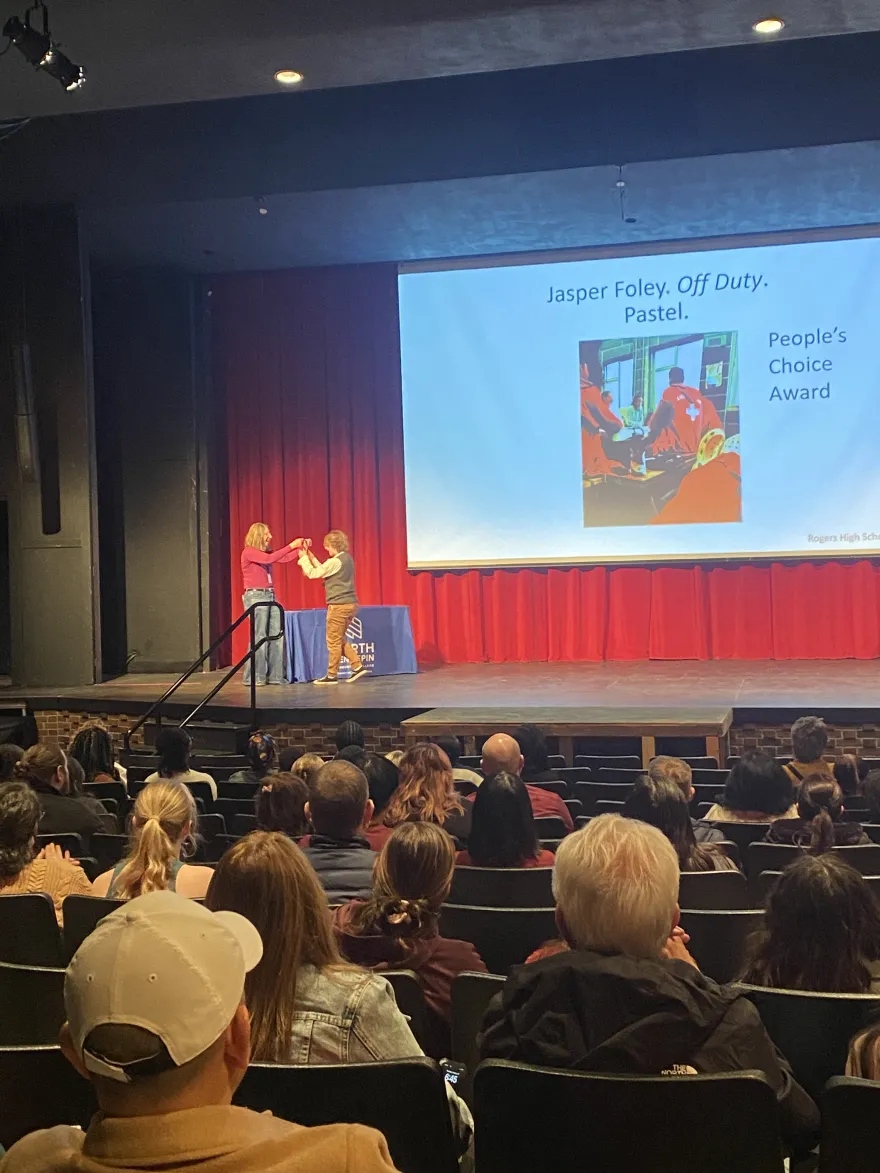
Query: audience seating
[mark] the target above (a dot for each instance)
(211, 827)
(243, 824)
(109, 850)
(742, 834)
(606, 806)
(29, 933)
(471, 994)
(67, 841)
(719, 937)
(405, 1100)
(765, 881)
(237, 790)
(410, 998)
(730, 850)
(872, 830)
(813, 1030)
(850, 1126)
(114, 791)
(590, 793)
(41, 1090)
(596, 762)
(502, 887)
(550, 827)
(717, 891)
(710, 777)
(502, 936)
(81, 914)
(550, 844)
(575, 807)
(560, 787)
(201, 791)
(620, 777)
(703, 763)
(31, 1005)
(767, 857)
(572, 774)
(230, 807)
(538, 1118)
(704, 794)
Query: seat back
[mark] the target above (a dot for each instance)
(813, 1031)
(410, 998)
(711, 777)
(596, 762)
(502, 887)
(850, 1126)
(550, 827)
(572, 774)
(243, 824)
(230, 807)
(237, 790)
(702, 763)
(108, 850)
(570, 1122)
(67, 841)
(619, 777)
(607, 807)
(29, 933)
(502, 936)
(81, 914)
(31, 1005)
(471, 994)
(742, 834)
(113, 791)
(775, 857)
(590, 793)
(713, 890)
(561, 787)
(405, 1100)
(719, 939)
(203, 791)
(41, 1089)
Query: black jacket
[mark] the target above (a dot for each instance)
(798, 832)
(61, 815)
(587, 1011)
(344, 867)
(706, 833)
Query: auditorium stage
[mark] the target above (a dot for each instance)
(765, 691)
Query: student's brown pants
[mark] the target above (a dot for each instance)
(339, 615)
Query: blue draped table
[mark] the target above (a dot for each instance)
(382, 635)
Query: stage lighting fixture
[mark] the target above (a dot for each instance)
(39, 50)
(288, 77)
(768, 26)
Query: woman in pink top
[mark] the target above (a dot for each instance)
(256, 574)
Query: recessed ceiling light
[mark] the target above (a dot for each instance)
(767, 26)
(288, 77)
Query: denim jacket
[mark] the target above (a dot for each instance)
(351, 1016)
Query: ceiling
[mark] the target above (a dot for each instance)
(157, 52)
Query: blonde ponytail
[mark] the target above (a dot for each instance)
(162, 811)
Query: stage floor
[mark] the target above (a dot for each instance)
(846, 689)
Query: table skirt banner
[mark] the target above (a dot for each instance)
(382, 635)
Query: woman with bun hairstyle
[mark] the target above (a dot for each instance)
(163, 823)
(396, 927)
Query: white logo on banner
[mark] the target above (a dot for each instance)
(354, 633)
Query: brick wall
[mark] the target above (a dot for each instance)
(60, 725)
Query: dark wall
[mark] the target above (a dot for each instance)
(52, 570)
(151, 473)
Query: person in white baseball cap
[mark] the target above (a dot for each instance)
(157, 1022)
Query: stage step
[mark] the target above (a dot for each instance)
(212, 737)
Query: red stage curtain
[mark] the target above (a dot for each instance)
(308, 363)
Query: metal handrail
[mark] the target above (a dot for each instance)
(155, 708)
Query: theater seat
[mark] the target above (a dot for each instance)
(502, 936)
(31, 1005)
(713, 890)
(29, 933)
(535, 1118)
(41, 1090)
(405, 1100)
(471, 994)
(719, 939)
(502, 887)
(81, 914)
(850, 1126)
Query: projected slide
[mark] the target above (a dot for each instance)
(721, 403)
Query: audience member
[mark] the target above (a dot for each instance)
(261, 757)
(871, 793)
(397, 927)
(863, 1061)
(306, 1004)
(356, 754)
(757, 790)
(383, 779)
(92, 747)
(166, 1057)
(822, 931)
(9, 755)
(306, 767)
(847, 773)
(426, 793)
(22, 868)
(503, 828)
(451, 746)
(339, 808)
(349, 733)
(394, 756)
(287, 757)
(502, 754)
(76, 779)
(597, 1006)
(660, 803)
(44, 768)
(533, 747)
(163, 820)
(173, 747)
(809, 737)
(819, 826)
(280, 803)
(675, 770)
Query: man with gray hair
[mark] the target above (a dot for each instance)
(809, 737)
(626, 996)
